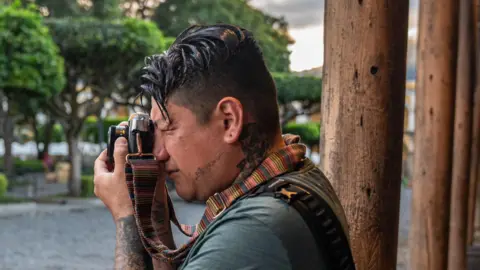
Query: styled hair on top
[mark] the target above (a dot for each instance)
(208, 63)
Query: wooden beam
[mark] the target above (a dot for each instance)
(475, 150)
(462, 139)
(436, 72)
(363, 101)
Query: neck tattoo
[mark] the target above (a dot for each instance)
(255, 148)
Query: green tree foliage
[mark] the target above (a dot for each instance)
(100, 49)
(101, 58)
(31, 69)
(3, 184)
(61, 8)
(102, 9)
(141, 9)
(173, 16)
(106, 9)
(57, 133)
(30, 64)
(90, 130)
(306, 91)
(297, 88)
(308, 132)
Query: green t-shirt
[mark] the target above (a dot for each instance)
(256, 233)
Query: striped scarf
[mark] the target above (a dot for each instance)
(142, 175)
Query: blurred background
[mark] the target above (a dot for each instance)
(68, 70)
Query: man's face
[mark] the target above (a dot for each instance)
(197, 157)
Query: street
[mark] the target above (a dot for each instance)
(69, 239)
(86, 239)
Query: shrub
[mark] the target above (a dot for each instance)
(58, 135)
(3, 184)
(28, 166)
(90, 129)
(25, 166)
(308, 132)
(87, 186)
(297, 88)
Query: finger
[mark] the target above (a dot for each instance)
(119, 154)
(124, 123)
(100, 165)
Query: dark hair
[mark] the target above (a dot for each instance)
(207, 63)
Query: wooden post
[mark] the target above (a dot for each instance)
(475, 150)
(473, 252)
(436, 70)
(363, 102)
(462, 138)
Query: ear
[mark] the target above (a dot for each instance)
(231, 113)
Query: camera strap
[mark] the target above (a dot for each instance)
(141, 178)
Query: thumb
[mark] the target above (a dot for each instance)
(120, 152)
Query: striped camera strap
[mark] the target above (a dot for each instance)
(142, 176)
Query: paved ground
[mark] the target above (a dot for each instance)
(84, 239)
(403, 229)
(78, 239)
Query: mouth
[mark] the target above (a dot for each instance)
(172, 172)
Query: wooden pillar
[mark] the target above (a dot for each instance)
(462, 138)
(363, 100)
(436, 72)
(475, 150)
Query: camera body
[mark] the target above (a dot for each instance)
(139, 134)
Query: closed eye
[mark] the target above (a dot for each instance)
(167, 129)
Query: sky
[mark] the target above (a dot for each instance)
(305, 18)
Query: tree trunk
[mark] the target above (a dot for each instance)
(8, 136)
(8, 141)
(462, 139)
(101, 128)
(48, 133)
(47, 136)
(36, 136)
(435, 93)
(363, 101)
(74, 184)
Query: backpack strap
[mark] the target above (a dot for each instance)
(326, 228)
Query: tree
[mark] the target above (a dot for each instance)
(101, 57)
(61, 8)
(306, 91)
(31, 69)
(141, 9)
(102, 9)
(106, 9)
(173, 16)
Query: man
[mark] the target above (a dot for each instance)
(214, 105)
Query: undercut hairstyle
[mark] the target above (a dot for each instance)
(208, 63)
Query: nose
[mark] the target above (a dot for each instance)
(160, 151)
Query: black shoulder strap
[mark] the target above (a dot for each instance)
(327, 229)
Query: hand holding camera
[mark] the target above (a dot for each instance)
(132, 140)
(110, 186)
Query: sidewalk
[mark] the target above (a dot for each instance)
(70, 204)
(58, 204)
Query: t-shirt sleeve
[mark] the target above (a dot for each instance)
(237, 243)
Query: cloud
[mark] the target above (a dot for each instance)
(305, 18)
(304, 13)
(298, 13)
